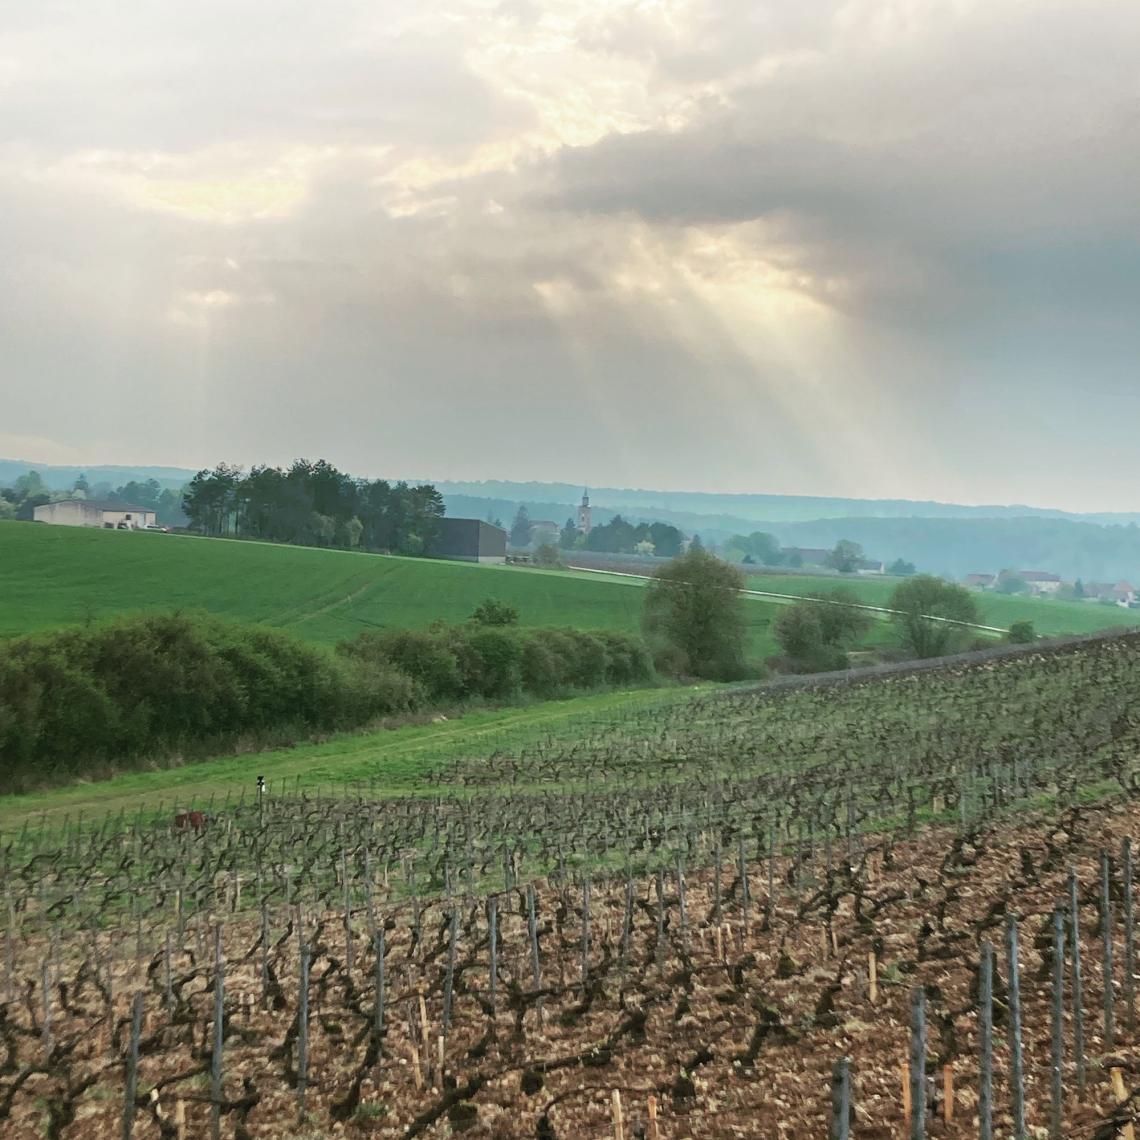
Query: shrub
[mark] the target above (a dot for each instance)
(493, 612)
(143, 688)
(694, 604)
(547, 555)
(817, 632)
(423, 655)
(500, 660)
(497, 663)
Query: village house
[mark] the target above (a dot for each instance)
(1040, 582)
(981, 581)
(1110, 593)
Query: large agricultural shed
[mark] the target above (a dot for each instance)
(470, 540)
(95, 512)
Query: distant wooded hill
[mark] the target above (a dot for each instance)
(756, 508)
(943, 538)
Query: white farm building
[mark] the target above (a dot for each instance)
(96, 512)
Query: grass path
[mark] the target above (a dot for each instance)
(394, 758)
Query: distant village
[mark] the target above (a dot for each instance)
(1041, 583)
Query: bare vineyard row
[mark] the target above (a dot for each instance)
(705, 910)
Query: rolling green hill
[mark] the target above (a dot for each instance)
(54, 576)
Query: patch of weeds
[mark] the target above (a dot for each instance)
(370, 1110)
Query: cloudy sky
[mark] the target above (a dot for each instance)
(874, 247)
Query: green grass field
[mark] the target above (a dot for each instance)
(55, 576)
(1049, 617)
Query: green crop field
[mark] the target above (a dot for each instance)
(1050, 618)
(54, 576)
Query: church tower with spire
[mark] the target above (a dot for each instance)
(584, 523)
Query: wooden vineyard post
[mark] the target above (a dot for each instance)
(219, 1035)
(378, 993)
(1127, 1131)
(626, 923)
(745, 897)
(585, 935)
(180, 1119)
(1129, 939)
(493, 923)
(349, 949)
(303, 1028)
(717, 859)
(168, 987)
(532, 931)
(449, 978)
(986, 1033)
(1106, 932)
(841, 1100)
(917, 1085)
(131, 1092)
(872, 977)
(681, 904)
(1078, 1007)
(619, 1124)
(1016, 1068)
(948, 1092)
(651, 1132)
(907, 1107)
(659, 883)
(1056, 1092)
(45, 980)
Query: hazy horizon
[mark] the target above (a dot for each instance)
(573, 490)
(842, 249)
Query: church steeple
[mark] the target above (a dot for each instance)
(584, 523)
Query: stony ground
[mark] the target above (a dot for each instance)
(729, 1026)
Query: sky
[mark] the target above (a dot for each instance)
(877, 248)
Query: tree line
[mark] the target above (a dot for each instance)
(618, 536)
(314, 504)
(762, 549)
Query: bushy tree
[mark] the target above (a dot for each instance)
(694, 613)
(1021, 633)
(546, 554)
(520, 528)
(1010, 583)
(900, 568)
(933, 616)
(817, 633)
(845, 557)
(491, 611)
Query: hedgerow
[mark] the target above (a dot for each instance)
(87, 701)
